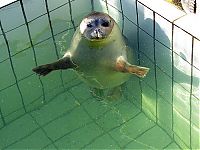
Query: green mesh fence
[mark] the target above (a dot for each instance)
(160, 111)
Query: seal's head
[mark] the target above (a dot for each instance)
(96, 26)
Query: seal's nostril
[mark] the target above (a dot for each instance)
(96, 31)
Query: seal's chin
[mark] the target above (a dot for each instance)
(96, 38)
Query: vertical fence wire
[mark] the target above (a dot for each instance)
(172, 89)
(2, 117)
(12, 66)
(155, 63)
(138, 47)
(33, 48)
(92, 5)
(122, 12)
(54, 41)
(71, 17)
(107, 6)
(191, 91)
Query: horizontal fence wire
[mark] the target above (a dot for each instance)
(9, 4)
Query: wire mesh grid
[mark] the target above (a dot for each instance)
(68, 87)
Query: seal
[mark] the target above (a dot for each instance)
(98, 53)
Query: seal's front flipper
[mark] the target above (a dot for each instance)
(123, 66)
(63, 63)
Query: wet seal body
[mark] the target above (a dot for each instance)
(98, 54)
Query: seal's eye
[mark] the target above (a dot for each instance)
(105, 24)
(89, 25)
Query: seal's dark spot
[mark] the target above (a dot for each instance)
(89, 25)
(105, 24)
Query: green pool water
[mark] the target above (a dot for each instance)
(59, 112)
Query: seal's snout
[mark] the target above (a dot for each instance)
(97, 34)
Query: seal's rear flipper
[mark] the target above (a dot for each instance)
(63, 63)
(123, 66)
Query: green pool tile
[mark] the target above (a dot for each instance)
(52, 84)
(8, 15)
(103, 142)
(68, 122)
(111, 119)
(6, 76)
(1, 123)
(117, 115)
(11, 103)
(195, 137)
(15, 114)
(154, 135)
(16, 130)
(180, 142)
(61, 23)
(4, 51)
(195, 119)
(69, 84)
(26, 60)
(55, 108)
(79, 138)
(63, 40)
(36, 140)
(182, 128)
(48, 147)
(30, 84)
(164, 85)
(132, 91)
(182, 100)
(95, 108)
(42, 33)
(163, 59)
(127, 110)
(35, 104)
(164, 114)
(119, 136)
(68, 76)
(137, 145)
(17, 44)
(137, 126)
(81, 92)
(30, 11)
(173, 146)
(52, 4)
(149, 101)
